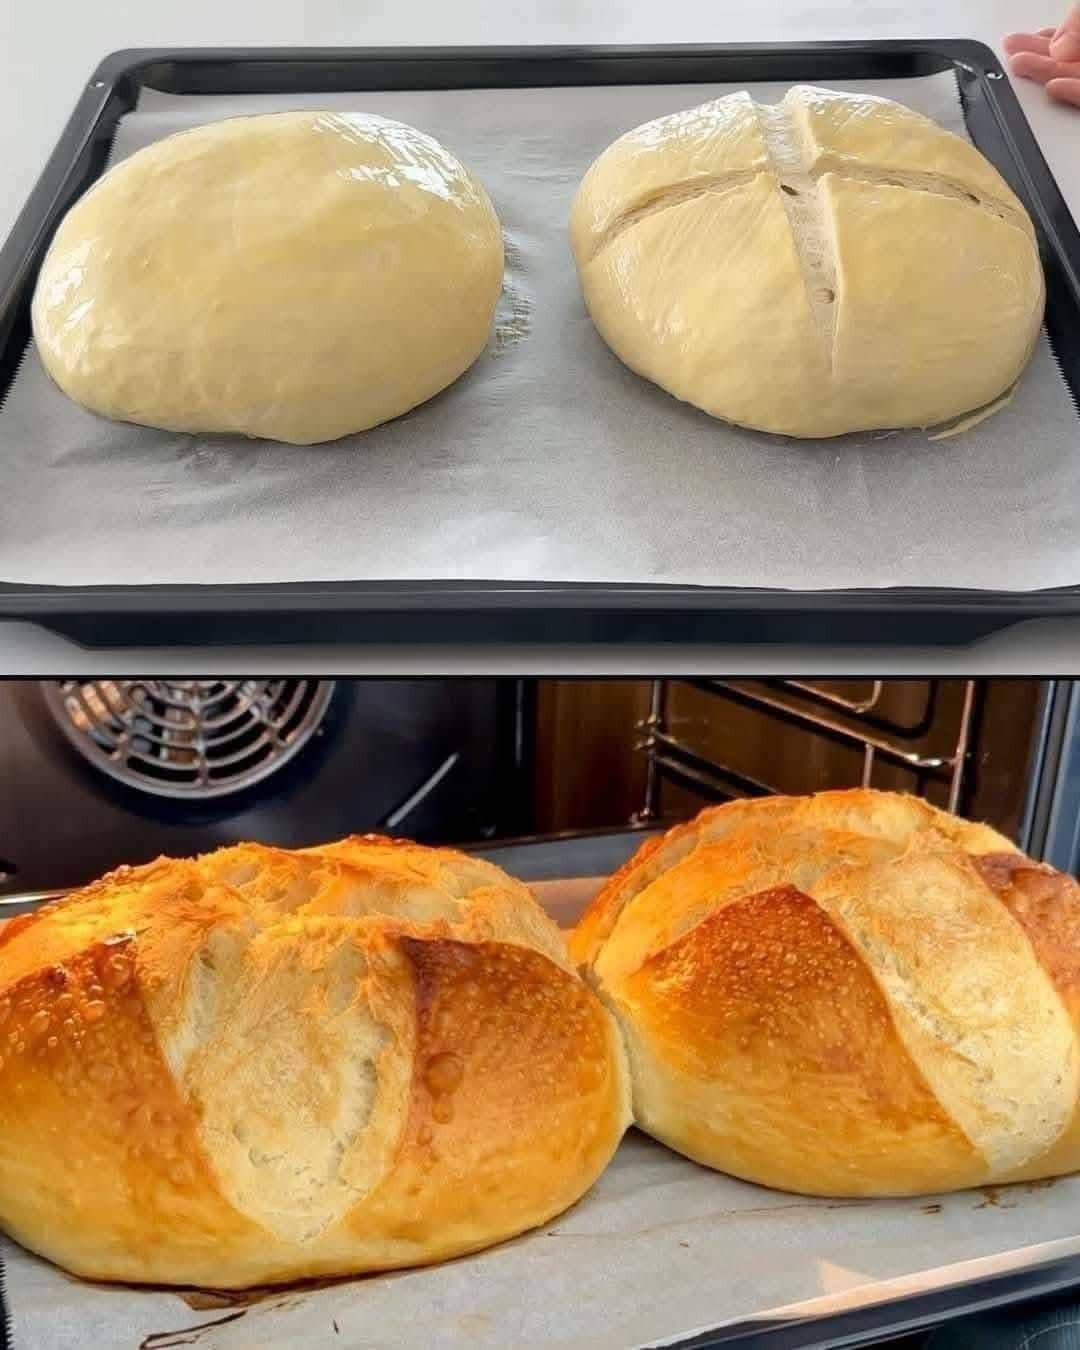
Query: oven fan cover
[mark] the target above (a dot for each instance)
(190, 739)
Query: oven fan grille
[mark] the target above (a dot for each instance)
(192, 739)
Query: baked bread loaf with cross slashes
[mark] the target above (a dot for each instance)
(261, 1066)
(846, 994)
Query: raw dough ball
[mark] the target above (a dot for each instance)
(296, 276)
(832, 263)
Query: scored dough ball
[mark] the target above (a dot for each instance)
(828, 264)
(261, 1066)
(294, 276)
(846, 994)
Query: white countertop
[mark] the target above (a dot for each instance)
(48, 49)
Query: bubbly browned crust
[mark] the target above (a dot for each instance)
(847, 994)
(261, 1066)
(1046, 904)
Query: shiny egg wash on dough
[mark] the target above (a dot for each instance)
(829, 264)
(292, 276)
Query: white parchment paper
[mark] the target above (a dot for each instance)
(549, 461)
(658, 1250)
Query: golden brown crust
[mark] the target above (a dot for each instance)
(598, 920)
(765, 1010)
(850, 993)
(260, 1066)
(99, 1157)
(875, 815)
(1046, 904)
(489, 1104)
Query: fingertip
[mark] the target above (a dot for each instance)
(1027, 42)
(1020, 42)
(1065, 91)
(1032, 66)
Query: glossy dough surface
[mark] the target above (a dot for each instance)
(828, 264)
(261, 1066)
(846, 994)
(293, 276)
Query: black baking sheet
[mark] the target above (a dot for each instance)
(522, 609)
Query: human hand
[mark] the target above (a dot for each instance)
(1051, 56)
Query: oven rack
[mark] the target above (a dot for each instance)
(855, 721)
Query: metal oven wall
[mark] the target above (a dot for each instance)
(441, 760)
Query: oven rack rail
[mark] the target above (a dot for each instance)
(856, 722)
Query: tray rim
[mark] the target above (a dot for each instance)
(867, 1321)
(113, 89)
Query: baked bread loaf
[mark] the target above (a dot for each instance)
(295, 276)
(847, 994)
(828, 264)
(261, 1066)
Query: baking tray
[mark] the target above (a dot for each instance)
(860, 1315)
(525, 612)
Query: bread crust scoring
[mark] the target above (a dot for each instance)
(831, 263)
(260, 1066)
(847, 994)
